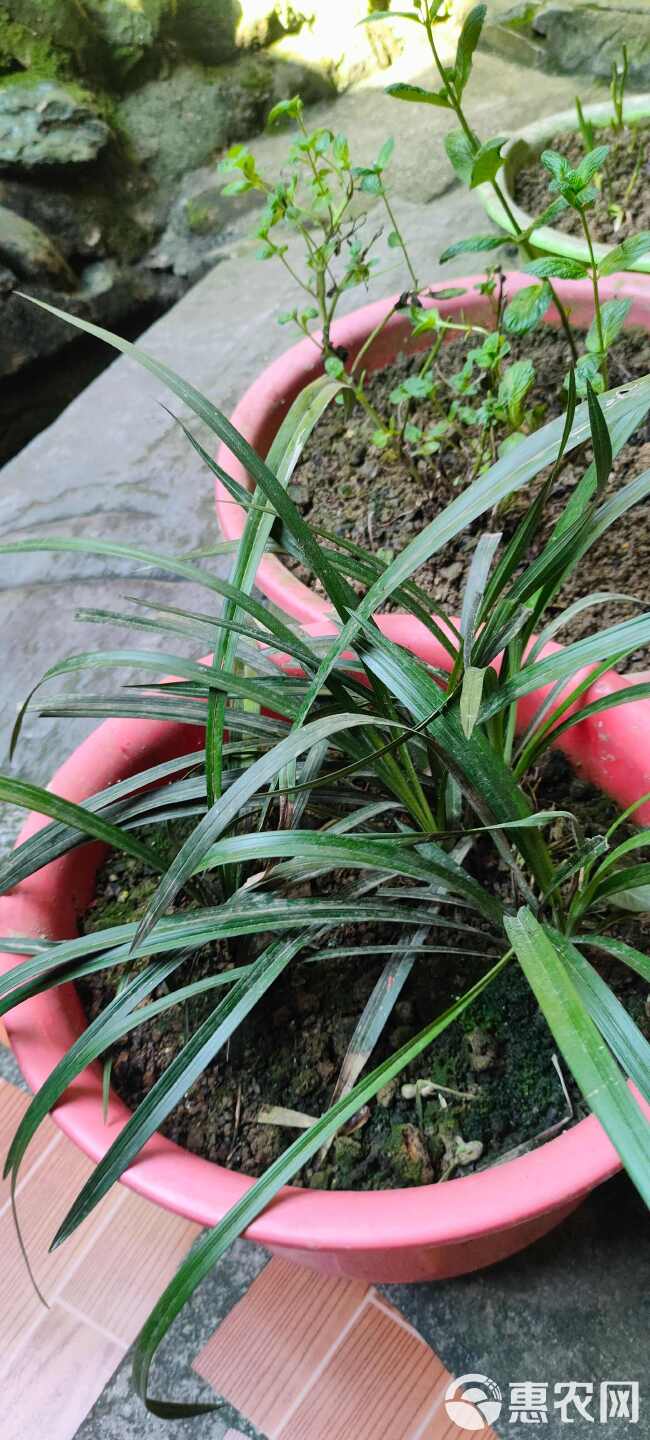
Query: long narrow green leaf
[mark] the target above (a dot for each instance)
(485, 778)
(259, 689)
(340, 593)
(56, 838)
(34, 797)
(376, 1013)
(620, 950)
(282, 459)
(477, 579)
(591, 1063)
(626, 406)
(179, 1076)
(99, 1034)
(611, 644)
(225, 810)
(586, 602)
(601, 441)
(519, 544)
(610, 1017)
(353, 851)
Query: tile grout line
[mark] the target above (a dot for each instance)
(29, 1331)
(398, 1319)
(76, 1314)
(322, 1364)
(33, 1170)
(54, 1298)
(93, 1235)
(430, 1415)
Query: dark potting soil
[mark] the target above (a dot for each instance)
(624, 205)
(493, 1085)
(346, 485)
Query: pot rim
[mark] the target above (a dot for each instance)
(506, 1195)
(547, 239)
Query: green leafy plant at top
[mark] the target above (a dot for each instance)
(485, 398)
(381, 776)
(576, 187)
(618, 84)
(624, 131)
(586, 128)
(477, 163)
(322, 199)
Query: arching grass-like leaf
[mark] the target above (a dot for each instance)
(87, 822)
(83, 1051)
(57, 837)
(623, 408)
(542, 958)
(206, 1042)
(609, 645)
(619, 950)
(611, 1018)
(282, 459)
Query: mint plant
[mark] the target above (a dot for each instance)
(477, 163)
(321, 200)
(577, 189)
(474, 162)
(617, 205)
(314, 201)
(485, 397)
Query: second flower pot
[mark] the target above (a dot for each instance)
(526, 146)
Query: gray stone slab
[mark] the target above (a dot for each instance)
(574, 1306)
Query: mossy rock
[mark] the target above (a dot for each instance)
(206, 30)
(180, 123)
(60, 22)
(30, 253)
(47, 124)
(101, 40)
(127, 29)
(22, 50)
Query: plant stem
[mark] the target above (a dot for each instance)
(362, 398)
(400, 237)
(593, 270)
(629, 190)
(457, 107)
(528, 250)
(296, 278)
(374, 335)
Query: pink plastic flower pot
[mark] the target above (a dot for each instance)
(406, 1235)
(431, 1232)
